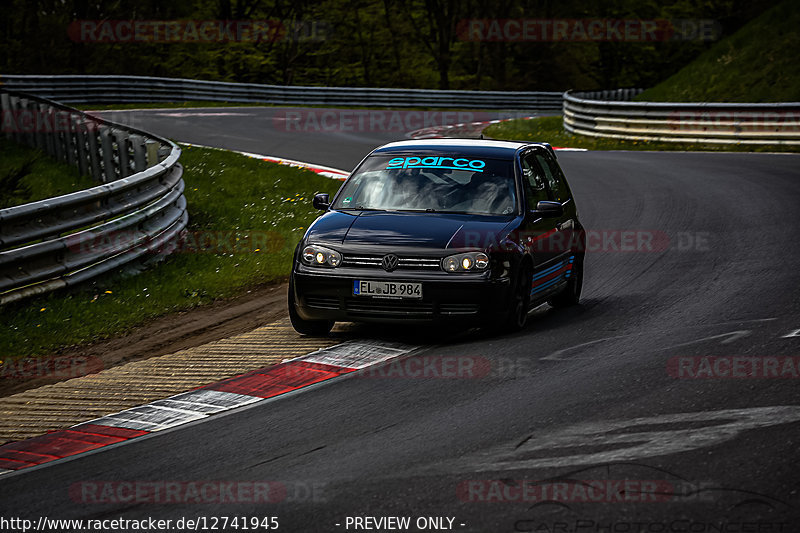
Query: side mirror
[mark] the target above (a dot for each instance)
(547, 209)
(321, 201)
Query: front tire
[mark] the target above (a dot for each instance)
(517, 316)
(312, 328)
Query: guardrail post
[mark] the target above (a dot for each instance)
(59, 141)
(27, 127)
(16, 107)
(71, 144)
(124, 154)
(108, 156)
(50, 136)
(152, 153)
(139, 153)
(94, 153)
(5, 105)
(41, 125)
(83, 156)
(19, 132)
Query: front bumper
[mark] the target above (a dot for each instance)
(456, 298)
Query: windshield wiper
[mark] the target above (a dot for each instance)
(361, 208)
(432, 210)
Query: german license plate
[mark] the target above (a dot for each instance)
(387, 289)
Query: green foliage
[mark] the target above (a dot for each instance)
(756, 64)
(377, 43)
(246, 216)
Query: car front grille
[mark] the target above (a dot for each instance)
(379, 306)
(366, 306)
(374, 306)
(404, 263)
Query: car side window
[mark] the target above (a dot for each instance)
(555, 178)
(535, 189)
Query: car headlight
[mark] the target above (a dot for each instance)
(321, 256)
(465, 262)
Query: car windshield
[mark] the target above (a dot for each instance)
(451, 183)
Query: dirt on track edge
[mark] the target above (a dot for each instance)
(173, 332)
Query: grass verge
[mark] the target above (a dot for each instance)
(246, 217)
(27, 175)
(551, 130)
(758, 63)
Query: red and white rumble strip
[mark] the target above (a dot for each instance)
(328, 172)
(252, 387)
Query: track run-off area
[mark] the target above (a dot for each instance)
(667, 401)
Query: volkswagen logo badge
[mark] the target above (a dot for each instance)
(389, 262)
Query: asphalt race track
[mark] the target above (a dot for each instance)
(333, 137)
(585, 421)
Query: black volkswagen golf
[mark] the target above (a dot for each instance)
(472, 232)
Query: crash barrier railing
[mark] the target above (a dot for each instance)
(612, 114)
(131, 89)
(127, 221)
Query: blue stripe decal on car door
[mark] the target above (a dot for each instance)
(545, 285)
(549, 271)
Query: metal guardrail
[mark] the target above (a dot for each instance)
(138, 208)
(131, 89)
(612, 114)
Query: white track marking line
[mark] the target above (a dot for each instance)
(149, 415)
(358, 354)
(220, 400)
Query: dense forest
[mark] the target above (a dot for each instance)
(374, 43)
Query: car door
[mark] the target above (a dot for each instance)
(564, 241)
(539, 235)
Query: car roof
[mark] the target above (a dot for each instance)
(475, 147)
